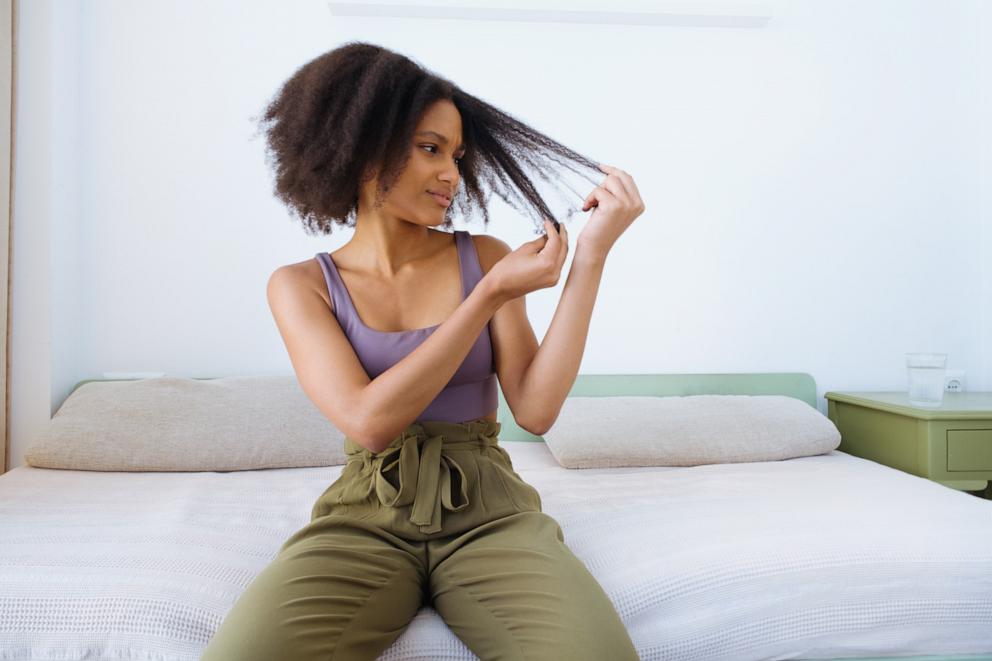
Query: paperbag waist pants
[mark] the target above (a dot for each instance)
(438, 518)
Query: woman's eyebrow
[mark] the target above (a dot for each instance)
(440, 138)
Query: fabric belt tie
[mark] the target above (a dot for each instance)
(428, 475)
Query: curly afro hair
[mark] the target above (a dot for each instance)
(353, 110)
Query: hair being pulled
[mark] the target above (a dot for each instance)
(350, 114)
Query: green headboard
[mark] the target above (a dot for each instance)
(791, 384)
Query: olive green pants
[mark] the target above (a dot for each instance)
(438, 517)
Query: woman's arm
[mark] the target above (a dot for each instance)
(616, 202)
(394, 399)
(550, 375)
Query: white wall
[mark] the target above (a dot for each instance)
(984, 58)
(817, 189)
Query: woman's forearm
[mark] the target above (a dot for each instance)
(550, 375)
(395, 398)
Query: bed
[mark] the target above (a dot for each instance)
(820, 557)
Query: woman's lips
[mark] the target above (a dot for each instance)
(441, 199)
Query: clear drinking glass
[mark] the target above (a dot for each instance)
(926, 378)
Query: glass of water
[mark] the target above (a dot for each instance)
(926, 378)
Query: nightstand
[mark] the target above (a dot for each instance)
(950, 444)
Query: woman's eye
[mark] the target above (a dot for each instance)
(458, 159)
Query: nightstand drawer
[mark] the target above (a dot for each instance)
(950, 444)
(969, 449)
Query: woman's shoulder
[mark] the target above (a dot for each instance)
(306, 274)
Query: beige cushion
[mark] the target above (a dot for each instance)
(689, 430)
(183, 424)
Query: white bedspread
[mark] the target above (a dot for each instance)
(818, 557)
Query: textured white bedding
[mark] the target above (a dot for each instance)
(816, 557)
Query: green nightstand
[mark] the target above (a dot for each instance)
(950, 444)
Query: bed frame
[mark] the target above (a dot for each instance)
(791, 384)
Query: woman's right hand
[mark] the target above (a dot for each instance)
(535, 265)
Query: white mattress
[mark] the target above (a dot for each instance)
(819, 557)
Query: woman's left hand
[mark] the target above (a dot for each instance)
(616, 203)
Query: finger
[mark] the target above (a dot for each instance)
(629, 185)
(624, 178)
(563, 251)
(621, 182)
(540, 245)
(597, 195)
(551, 236)
(534, 246)
(590, 200)
(614, 185)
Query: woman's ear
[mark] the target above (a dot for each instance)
(370, 173)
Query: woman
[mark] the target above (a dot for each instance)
(398, 338)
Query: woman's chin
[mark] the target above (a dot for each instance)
(431, 221)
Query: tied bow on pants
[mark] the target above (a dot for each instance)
(428, 475)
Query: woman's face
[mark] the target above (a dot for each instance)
(433, 166)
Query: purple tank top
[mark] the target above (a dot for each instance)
(471, 392)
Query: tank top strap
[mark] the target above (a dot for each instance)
(468, 260)
(343, 308)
